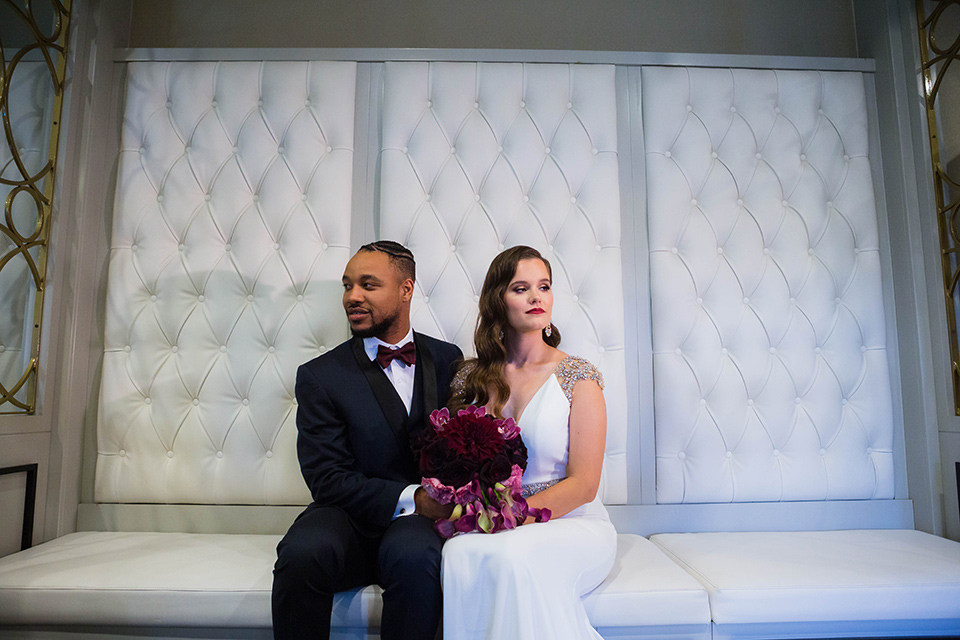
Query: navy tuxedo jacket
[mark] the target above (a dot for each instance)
(355, 440)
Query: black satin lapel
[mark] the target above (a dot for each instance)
(390, 403)
(429, 369)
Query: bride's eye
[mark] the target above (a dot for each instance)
(545, 287)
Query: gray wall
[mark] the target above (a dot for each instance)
(781, 27)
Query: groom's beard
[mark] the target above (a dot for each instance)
(377, 328)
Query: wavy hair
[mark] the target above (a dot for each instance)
(484, 383)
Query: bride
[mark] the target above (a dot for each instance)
(527, 582)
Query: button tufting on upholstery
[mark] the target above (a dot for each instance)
(142, 151)
(160, 197)
(426, 298)
(219, 454)
(522, 104)
(147, 400)
(776, 453)
(280, 150)
(724, 351)
(693, 202)
(174, 348)
(681, 455)
(729, 454)
(569, 105)
(328, 149)
(299, 297)
(127, 348)
(249, 297)
(677, 351)
(271, 349)
(404, 150)
(153, 298)
(823, 452)
(546, 150)
(773, 349)
(476, 105)
(733, 109)
(746, 300)
(749, 402)
(307, 102)
(803, 157)
(223, 348)
(122, 453)
(269, 454)
(758, 155)
(703, 402)
(181, 247)
(429, 103)
(573, 200)
(576, 298)
(453, 150)
(169, 454)
(214, 104)
(196, 401)
(600, 349)
(246, 401)
(699, 300)
(689, 107)
(713, 154)
(595, 151)
(500, 247)
(667, 154)
(227, 247)
(766, 251)
(201, 298)
(169, 104)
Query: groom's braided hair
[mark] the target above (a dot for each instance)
(400, 257)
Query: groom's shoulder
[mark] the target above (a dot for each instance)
(338, 357)
(441, 348)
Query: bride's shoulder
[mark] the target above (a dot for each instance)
(573, 369)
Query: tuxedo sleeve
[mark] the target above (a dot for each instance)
(328, 464)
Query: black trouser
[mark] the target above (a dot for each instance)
(323, 553)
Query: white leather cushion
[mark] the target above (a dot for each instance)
(646, 588)
(770, 363)
(479, 157)
(822, 576)
(231, 231)
(164, 579)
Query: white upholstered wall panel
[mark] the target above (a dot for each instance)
(478, 157)
(770, 364)
(231, 230)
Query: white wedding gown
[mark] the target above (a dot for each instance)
(527, 583)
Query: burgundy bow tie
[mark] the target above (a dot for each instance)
(407, 354)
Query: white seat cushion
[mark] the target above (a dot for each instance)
(176, 579)
(876, 582)
(221, 580)
(646, 589)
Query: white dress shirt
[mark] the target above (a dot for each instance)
(402, 377)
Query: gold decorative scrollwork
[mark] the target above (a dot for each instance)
(33, 61)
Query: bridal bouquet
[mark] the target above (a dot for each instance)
(476, 462)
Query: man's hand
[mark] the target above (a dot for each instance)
(430, 508)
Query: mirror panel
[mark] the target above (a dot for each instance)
(32, 69)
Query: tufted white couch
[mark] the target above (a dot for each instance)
(760, 282)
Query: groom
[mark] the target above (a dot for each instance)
(360, 409)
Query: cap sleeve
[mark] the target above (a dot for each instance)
(459, 382)
(573, 369)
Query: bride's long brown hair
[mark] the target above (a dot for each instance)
(485, 383)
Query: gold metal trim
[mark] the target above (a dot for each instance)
(52, 48)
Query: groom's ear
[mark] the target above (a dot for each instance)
(406, 290)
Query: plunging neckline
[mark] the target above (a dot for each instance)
(539, 390)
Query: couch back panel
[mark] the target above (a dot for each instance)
(478, 157)
(770, 358)
(232, 228)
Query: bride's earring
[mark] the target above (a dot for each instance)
(501, 335)
(548, 331)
